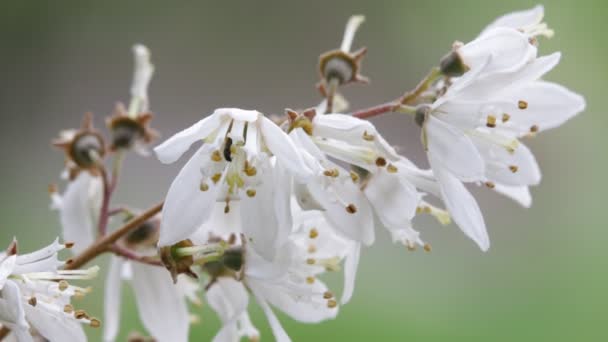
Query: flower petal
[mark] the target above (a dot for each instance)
(112, 299)
(267, 216)
(336, 198)
(173, 148)
(6, 268)
(56, 326)
(547, 105)
(351, 264)
(186, 207)
(229, 299)
(394, 199)
(279, 143)
(277, 329)
(453, 151)
(462, 206)
(162, 310)
(76, 211)
(519, 19)
(514, 168)
(352, 130)
(520, 194)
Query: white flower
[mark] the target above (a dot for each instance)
(471, 134)
(78, 209)
(160, 303)
(379, 181)
(505, 45)
(35, 294)
(289, 281)
(230, 166)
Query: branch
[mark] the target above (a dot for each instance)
(104, 244)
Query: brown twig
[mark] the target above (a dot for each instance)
(104, 244)
(131, 255)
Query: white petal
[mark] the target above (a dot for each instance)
(55, 326)
(260, 268)
(229, 299)
(283, 148)
(499, 162)
(462, 206)
(491, 87)
(13, 312)
(186, 207)
(46, 252)
(266, 216)
(173, 148)
(162, 310)
(549, 105)
(351, 264)
(421, 179)
(112, 300)
(238, 114)
(6, 268)
(520, 194)
(277, 329)
(394, 199)
(351, 129)
(358, 226)
(75, 213)
(519, 19)
(453, 150)
(303, 302)
(510, 50)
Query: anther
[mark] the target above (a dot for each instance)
(227, 208)
(204, 187)
(351, 208)
(521, 104)
(490, 185)
(368, 137)
(69, 244)
(63, 285)
(95, 323)
(228, 149)
(328, 295)
(313, 233)
(380, 162)
(216, 156)
(427, 247)
(534, 129)
(513, 168)
(250, 170)
(491, 121)
(332, 173)
(250, 192)
(391, 168)
(68, 308)
(332, 303)
(311, 261)
(310, 280)
(80, 314)
(354, 176)
(32, 301)
(505, 117)
(216, 178)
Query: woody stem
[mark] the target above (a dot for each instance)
(407, 99)
(104, 244)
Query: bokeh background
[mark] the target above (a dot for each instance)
(545, 277)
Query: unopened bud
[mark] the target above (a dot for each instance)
(452, 65)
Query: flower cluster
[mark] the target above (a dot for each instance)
(267, 205)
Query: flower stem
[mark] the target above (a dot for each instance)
(105, 243)
(408, 99)
(129, 254)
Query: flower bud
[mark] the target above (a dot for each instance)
(452, 65)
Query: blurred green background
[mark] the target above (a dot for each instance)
(545, 277)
